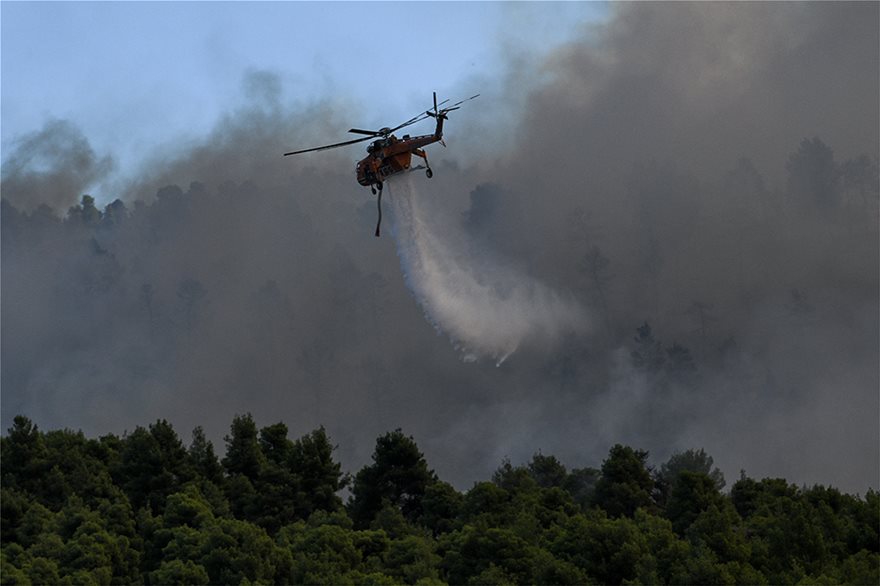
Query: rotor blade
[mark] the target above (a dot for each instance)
(418, 118)
(359, 131)
(412, 120)
(329, 146)
(462, 102)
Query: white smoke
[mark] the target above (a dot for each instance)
(486, 307)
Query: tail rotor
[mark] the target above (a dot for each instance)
(441, 113)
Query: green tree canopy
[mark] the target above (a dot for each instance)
(625, 484)
(399, 475)
(142, 509)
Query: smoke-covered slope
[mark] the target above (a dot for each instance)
(708, 169)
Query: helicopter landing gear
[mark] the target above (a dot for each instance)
(378, 206)
(424, 155)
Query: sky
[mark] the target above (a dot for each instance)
(137, 75)
(706, 169)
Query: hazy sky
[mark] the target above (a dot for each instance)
(133, 75)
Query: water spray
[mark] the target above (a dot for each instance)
(487, 307)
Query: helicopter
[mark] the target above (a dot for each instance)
(389, 155)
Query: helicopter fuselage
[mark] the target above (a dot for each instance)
(391, 155)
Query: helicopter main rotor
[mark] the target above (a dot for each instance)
(385, 132)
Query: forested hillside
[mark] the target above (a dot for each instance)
(147, 508)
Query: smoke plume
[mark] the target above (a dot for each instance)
(52, 167)
(674, 230)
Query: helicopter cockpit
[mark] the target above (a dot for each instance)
(377, 145)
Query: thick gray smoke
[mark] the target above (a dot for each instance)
(51, 167)
(707, 169)
(487, 307)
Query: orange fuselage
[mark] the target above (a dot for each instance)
(392, 155)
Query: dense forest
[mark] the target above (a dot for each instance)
(145, 508)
